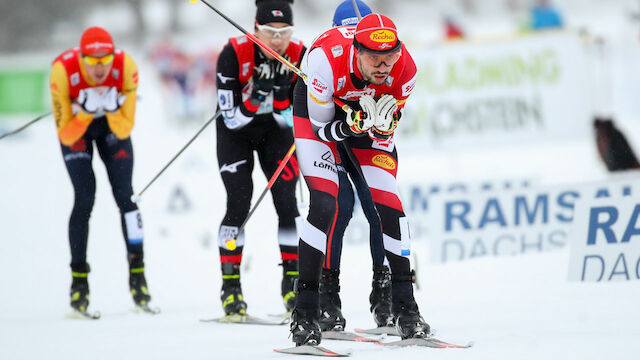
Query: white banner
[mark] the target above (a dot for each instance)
(528, 88)
(605, 244)
(507, 223)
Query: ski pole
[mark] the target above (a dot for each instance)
(25, 125)
(273, 179)
(136, 198)
(258, 42)
(355, 7)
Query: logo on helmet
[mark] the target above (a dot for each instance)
(382, 36)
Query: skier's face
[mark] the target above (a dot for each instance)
(98, 66)
(276, 35)
(376, 67)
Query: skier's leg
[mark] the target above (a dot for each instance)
(379, 168)
(235, 160)
(117, 156)
(77, 159)
(318, 165)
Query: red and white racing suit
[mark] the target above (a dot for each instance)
(331, 67)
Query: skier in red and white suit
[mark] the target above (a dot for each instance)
(369, 69)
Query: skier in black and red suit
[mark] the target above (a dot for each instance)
(255, 92)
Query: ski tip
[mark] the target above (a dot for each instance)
(146, 310)
(314, 350)
(77, 314)
(244, 319)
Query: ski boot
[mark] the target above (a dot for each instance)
(137, 281)
(79, 293)
(289, 277)
(305, 329)
(380, 297)
(231, 293)
(331, 318)
(408, 321)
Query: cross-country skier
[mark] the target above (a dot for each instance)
(93, 91)
(331, 317)
(256, 91)
(370, 70)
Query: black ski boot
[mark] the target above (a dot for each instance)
(79, 293)
(331, 318)
(409, 323)
(137, 281)
(231, 293)
(289, 277)
(380, 297)
(305, 329)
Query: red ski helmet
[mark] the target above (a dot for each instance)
(377, 33)
(95, 39)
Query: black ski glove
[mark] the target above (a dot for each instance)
(263, 82)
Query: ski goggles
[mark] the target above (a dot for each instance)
(274, 32)
(94, 60)
(376, 60)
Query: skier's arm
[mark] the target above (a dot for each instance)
(322, 111)
(70, 126)
(122, 119)
(283, 92)
(236, 113)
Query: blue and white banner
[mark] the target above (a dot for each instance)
(605, 241)
(508, 223)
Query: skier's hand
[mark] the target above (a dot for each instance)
(283, 76)
(386, 117)
(90, 100)
(263, 81)
(112, 100)
(362, 120)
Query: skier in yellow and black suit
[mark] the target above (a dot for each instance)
(93, 91)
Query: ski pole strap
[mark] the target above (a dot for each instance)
(406, 277)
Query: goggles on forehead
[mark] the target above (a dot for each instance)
(273, 32)
(93, 60)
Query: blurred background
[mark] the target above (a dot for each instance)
(471, 54)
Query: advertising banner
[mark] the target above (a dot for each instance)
(508, 223)
(605, 241)
(528, 88)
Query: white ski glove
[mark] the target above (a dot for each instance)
(362, 120)
(112, 100)
(90, 100)
(386, 108)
